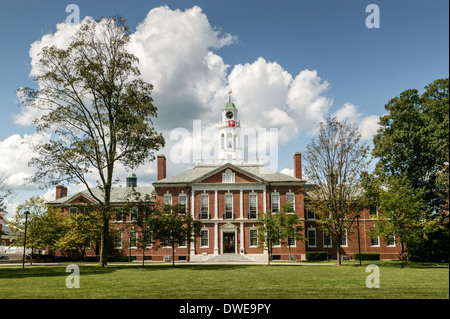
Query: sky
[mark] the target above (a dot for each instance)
(290, 65)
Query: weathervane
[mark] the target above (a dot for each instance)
(229, 95)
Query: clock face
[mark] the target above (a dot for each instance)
(229, 115)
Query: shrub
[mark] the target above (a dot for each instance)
(316, 255)
(367, 256)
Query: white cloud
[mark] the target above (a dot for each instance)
(368, 125)
(176, 54)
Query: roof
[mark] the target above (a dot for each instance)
(200, 172)
(118, 195)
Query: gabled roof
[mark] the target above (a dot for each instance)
(118, 195)
(200, 172)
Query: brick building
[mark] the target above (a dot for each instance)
(226, 196)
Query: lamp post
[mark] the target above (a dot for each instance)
(25, 238)
(359, 241)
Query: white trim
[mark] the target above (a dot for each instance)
(293, 201)
(207, 237)
(315, 236)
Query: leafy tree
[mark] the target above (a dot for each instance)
(335, 160)
(401, 213)
(290, 226)
(413, 141)
(269, 231)
(97, 108)
(5, 191)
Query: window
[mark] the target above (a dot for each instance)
(375, 240)
(228, 176)
(72, 211)
(182, 202)
(167, 199)
(204, 238)
(344, 238)
(117, 239)
(204, 209)
(290, 200)
(311, 237)
(228, 206)
(253, 213)
(275, 202)
(292, 242)
(182, 242)
(310, 212)
(326, 239)
(133, 238)
(134, 214)
(390, 240)
(253, 237)
(147, 238)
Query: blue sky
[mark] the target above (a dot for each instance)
(362, 67)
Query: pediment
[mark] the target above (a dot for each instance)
(236, 174)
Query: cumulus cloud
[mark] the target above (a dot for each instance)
(177, 54)
(368, 125)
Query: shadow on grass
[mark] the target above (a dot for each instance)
(396, 264)
(87, 270)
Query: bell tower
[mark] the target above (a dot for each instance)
(230, 150)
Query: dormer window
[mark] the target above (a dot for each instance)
(228, 176)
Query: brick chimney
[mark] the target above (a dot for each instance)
(298, 165)
(61, 191)
(161, 173)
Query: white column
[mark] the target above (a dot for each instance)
(241, 199)
(242, 239)
(216, 206)
(192, 248)
(216, 238)
(265, 199)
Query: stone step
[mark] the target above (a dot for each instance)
(224, 258)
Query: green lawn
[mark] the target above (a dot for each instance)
(226, 282)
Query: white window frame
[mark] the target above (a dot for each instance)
(202, 231)
(185, 201)
(120, 235)
(134, 211)
(228, 176)
(315, 237)
(374, 240)
(135, 232)
(167, 196)
(331, 241)
(393, 239)
(308, 209)
(293, 201)
(253, 229)
(202, 196)
(73, 211)
(228, 196)
(344, 238)
(272, 201)
(256, 205)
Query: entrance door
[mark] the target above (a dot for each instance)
(228, 243)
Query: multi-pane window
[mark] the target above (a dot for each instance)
(291, 241)
(391, 240)
(326, 239)
(228, 176)
(253, 237)
(375, 240)
(275, 203)
(204, 207)
(344, 238)
(167, 199)
(310, 212)
(182, 202)
(204, 238)
(133, 238)
(117, 239)
(228, 206)
(134, 214)
(253, 208)
(311, 237)
(290, 200)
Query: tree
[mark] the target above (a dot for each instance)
(5, 191)
(413, 142)
(335, 160)
(401, 213)
(98, 109)
(290, 226)
(269, 231)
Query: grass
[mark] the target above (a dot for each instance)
(184, 281)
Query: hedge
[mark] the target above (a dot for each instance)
(316, 255)
(367, 256)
